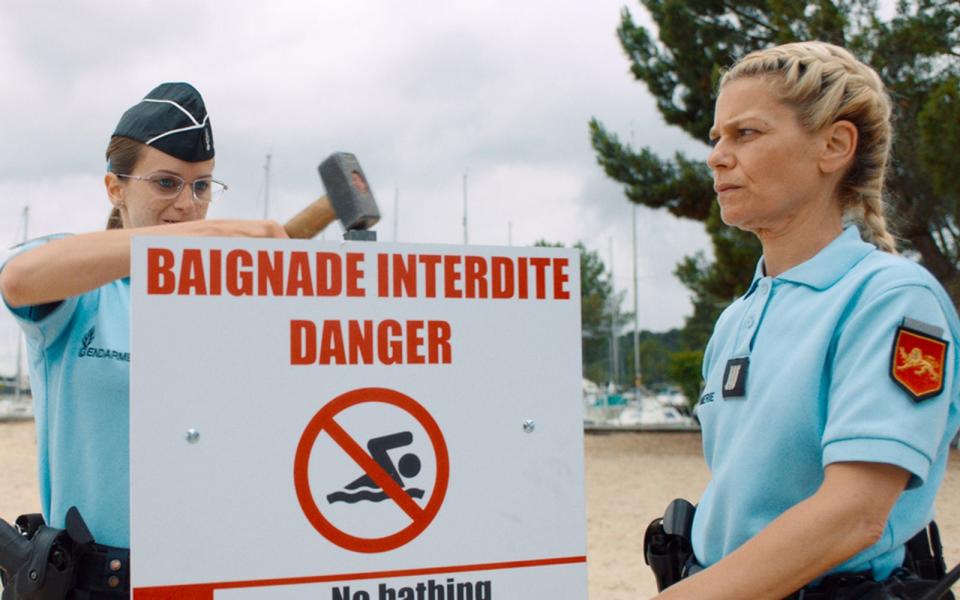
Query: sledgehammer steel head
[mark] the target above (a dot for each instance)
(349, 191)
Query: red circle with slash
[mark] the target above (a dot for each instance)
(324, 421)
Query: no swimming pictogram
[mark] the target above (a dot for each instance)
(378, 470)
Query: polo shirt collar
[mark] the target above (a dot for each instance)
(827, 267)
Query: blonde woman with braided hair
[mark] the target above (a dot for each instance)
(830, 389)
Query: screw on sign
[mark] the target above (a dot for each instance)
(378, 468)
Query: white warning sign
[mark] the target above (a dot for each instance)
(367, 421)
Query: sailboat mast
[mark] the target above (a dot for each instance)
(266, 187)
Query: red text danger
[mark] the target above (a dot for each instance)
(387, 342)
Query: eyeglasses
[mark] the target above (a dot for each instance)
(168, 186)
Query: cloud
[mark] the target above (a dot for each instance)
(421, 91)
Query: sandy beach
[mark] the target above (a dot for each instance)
(630, 478)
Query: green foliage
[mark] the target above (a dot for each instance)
(655, 351)
(915, 52)
(939, 121)
(698, 38)
(597, 300)
(678, 185)
(685, 369)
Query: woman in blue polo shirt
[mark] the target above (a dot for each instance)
(70, 295)
(830, 387)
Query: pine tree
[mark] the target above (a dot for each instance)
(916, 52)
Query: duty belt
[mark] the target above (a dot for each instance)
(104, 570)
(829, 588)
(45, 563)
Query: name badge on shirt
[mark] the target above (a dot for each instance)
(735, 377)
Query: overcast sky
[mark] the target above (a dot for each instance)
(421, 91)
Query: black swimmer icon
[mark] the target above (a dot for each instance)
(408, 467)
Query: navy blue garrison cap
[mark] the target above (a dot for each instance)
(172, 119)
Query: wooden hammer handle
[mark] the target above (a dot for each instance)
(311, 220)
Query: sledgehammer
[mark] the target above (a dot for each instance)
(348, 198)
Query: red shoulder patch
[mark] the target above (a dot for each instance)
(917, 362)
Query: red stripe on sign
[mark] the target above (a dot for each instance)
(204, 591)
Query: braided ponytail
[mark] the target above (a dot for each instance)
(824, 84)
(876, 223)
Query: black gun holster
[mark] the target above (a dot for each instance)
(924, 554)
(39, 562)
(666, 543)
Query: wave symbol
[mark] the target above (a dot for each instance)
(367, 495)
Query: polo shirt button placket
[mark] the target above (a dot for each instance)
(763, 288)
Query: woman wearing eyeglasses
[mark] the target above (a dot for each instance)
(70, 294)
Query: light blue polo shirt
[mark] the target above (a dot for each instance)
(79, 361)
(818, 390)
